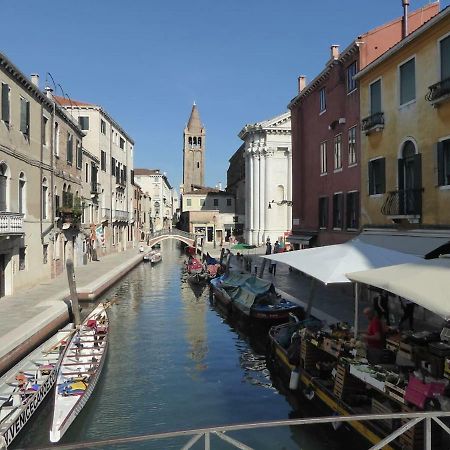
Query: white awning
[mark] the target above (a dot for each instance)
(299, 239)
(426, 283)
(330, 263)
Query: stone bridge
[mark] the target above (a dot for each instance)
(174, 233)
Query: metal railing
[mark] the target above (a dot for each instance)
(11, 223)
(373, 121)
(404, 202)
(121, 216)
(438, 91)
(172, 232)
(409, 420)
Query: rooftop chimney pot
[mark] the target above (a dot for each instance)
(49, 92)
(301, 83)
(334, 51)
(35, 79)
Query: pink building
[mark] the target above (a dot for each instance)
(326, 138)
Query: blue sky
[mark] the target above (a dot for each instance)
(146, 61)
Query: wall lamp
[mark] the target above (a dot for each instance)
(280, 203)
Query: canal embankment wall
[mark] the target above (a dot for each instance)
(31, 316)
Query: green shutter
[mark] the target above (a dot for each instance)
(5, 103)
(445, 58)
(371, 186)
(382, 176)
(440, 163)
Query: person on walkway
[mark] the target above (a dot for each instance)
(408, 313)
(381, 306)
(276, 247)
(268, 247)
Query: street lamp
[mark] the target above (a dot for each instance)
(280, 203)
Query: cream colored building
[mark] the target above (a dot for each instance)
(114, 148)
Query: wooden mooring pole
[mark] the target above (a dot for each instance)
(73, 291)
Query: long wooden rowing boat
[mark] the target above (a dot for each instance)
(24, 387)
(80, 369)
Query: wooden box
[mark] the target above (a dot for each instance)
(395, 392)
(385, 407)
(346, 384)
(412, 439)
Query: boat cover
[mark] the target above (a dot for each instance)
(246, 295)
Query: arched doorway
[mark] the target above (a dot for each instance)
(410, 180)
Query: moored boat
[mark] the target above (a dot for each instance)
(24, 387)
(80, 369)
(196, 273)
(155, 258)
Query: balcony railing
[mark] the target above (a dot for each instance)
(120, 216)
(95, 188)
(11, 223)
(71, 207)
(406, 202)
(375, 121)
(439, 92)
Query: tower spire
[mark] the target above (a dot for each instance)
(194, 124)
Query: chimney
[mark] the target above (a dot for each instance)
(334, 51)
(301, 83)
(35, 79)
(405, 4)
(49, 92)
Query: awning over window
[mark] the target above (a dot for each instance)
(298, 239)
(425, 244)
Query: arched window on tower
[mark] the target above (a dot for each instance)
(198, 165)
(195, 141)
(199, 140)
(190, 141)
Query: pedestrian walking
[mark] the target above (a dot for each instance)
(268, 247)
(408, 313)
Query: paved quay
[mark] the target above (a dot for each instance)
(30, 316)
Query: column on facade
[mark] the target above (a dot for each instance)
(268, 190)
(289, 188)
(256, 226)
(249, 195)
(262, 195)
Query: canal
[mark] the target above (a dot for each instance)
(176, 363)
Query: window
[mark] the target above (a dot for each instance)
(445, 58)
(3, 187)
(5, 102)
(352, 221)
(56, 149)
(351, 72)
(228, 201)
(352, 146)
(44, 130)
(322, 99)
(69, 148)
(25, 116)
(408, 81)
(375, 97)
(22, 258)
(122, 143)
(102, 126)
(338, 206)
(45, 253)
(22, 193)
(83, 121)
(188, 202)
(113, 166)
(216, 202)
(44, 199)
(323, 157)
(103, 161)
(338, 152)
(86, 172)
(377, 180)
(202, 202)
(323, 212)
(443, 158)
(79, 155)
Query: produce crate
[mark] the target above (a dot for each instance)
(346, 384)
(332, 347)
(385, 407)
(447, 368)
(309, 355)
(412, 439)
(393, 343)
(395, 392)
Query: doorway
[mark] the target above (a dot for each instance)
(410, 180)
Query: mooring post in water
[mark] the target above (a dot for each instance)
(222, 253)
(263, 266)
(228, 263)
(73, 291)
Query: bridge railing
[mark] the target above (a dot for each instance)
(408, 420)
(172, 232)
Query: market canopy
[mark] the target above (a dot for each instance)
(426, 283)
(331, 263)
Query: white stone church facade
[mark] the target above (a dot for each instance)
(268, 179)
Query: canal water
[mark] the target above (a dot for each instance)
(176, 363)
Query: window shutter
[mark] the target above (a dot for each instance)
(382, 175)
(27, 109)
(5, 103)
(440, 163)
(348, 208)
(371, 186)
(401, 174)
(357, 209)
(418, 171)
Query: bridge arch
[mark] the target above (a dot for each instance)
(182, 236)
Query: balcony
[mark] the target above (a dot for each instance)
(406, 203)
(95, 188)
(439, 93)
(71, 210)
(372, 123)
(120, 216)
(11, 223)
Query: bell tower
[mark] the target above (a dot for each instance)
(193, 152)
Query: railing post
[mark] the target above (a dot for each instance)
(428, 433)
(207, 440)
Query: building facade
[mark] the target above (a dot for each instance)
(114, 148)
(406, 133)
(194, 147)
(326, 138)
(268, 175)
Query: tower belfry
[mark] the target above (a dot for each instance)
(193, 152)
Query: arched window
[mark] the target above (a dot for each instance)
(280, 193)
(195, 141)
(199, 140)
(3, 187)
(22, 193)
(190, 140)
(409, 149)
(44, 199)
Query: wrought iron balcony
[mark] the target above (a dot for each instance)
(11, 223)
(95, 188)
(71, 209)
(406, 202)
(439, 92)
(120, 216)
(373, 122)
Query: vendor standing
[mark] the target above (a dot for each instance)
(374, 336)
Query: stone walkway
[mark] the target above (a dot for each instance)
(29, 316)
